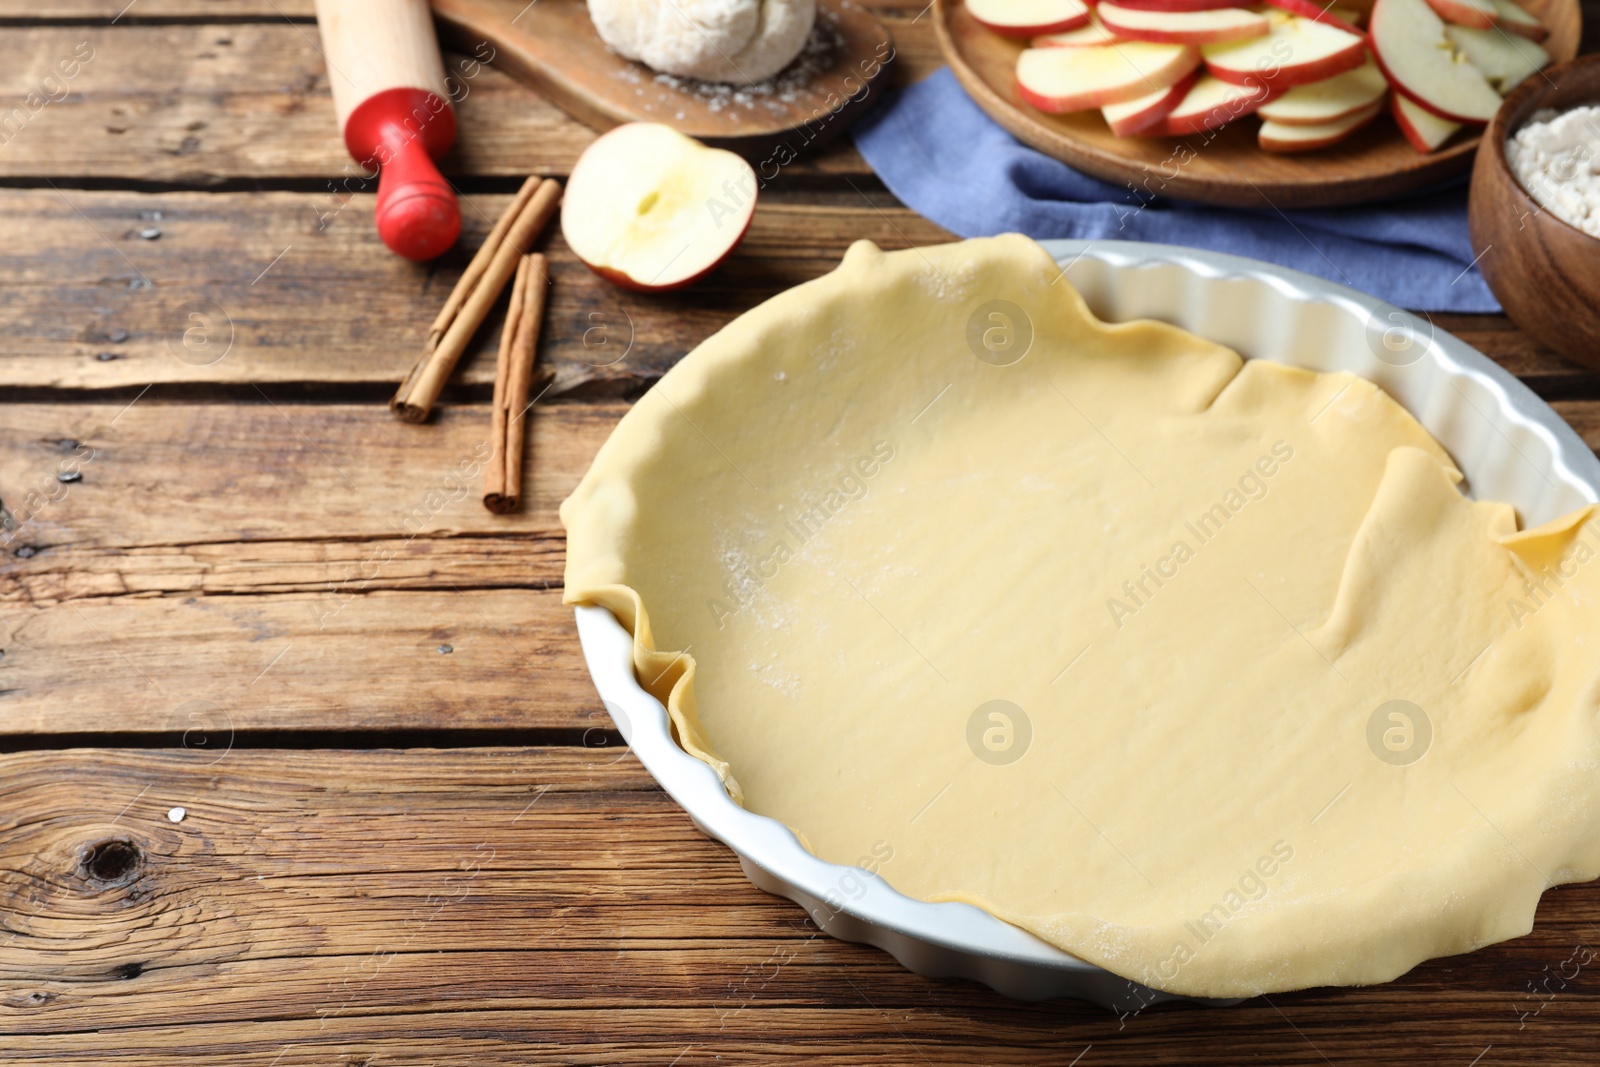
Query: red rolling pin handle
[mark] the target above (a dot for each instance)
(402, 131)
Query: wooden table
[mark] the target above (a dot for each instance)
(301, 764)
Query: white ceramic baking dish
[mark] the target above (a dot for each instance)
(1510, 444)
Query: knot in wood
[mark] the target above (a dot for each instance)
(110, 863)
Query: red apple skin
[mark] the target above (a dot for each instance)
(1173, 126)
(1533, 31)
(1306, 146)
(627, 281)
(1413, 137)
(1181, 5)
(1305, 73)
(1062, 26)
(1309, 9)
(1056, 105)
(1193, 37)
(1152, 118)
(1395, 84)
(1462, 14)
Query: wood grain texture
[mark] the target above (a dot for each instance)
(1227, 167)
(314, 299)
(552, 906)
(208, 103)
(296, 288)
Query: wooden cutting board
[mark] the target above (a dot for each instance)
(552, 45)
(1230, 168)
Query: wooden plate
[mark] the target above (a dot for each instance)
(1231, 168)
(552, 45)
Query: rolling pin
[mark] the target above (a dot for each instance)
(389, 90)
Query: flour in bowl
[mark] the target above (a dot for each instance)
(1556, 157)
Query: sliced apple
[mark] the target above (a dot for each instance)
(1182, 27)
(1277, 137)
(1179, 5)
(1514, 19)
(1213, 102)
(1086, 36)
(1297, 51)
(650, 209)
(1029, 18)
(1344, 18)
(1329, 100)
(1409, 42)
(1505, 59)
(1147, 112)
(1423, 129)
(1073, 79)
(1479, 14)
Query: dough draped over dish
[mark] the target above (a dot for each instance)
(1203, 669)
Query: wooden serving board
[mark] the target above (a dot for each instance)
(553, 46)
(1230, 168)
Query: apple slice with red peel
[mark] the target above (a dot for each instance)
(1086, 36)
(1514, 19)
(1409, 42)
(1505, 59)
(1212, 103)
(1424, 130)
(1147, 112)
(1297, 51)
(1310, 9)
(1074, 79)
(650, 209)
(1479, 14)
(1277, 137)
(1178, 5)
(1029, 18)
(1329, 100)
(1182, 27)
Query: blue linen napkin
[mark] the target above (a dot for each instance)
(945, 159)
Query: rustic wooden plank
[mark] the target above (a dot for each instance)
(551, 905)
(284, 295)
(198, 104)
(309, 298)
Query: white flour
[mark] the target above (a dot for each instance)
(1556, 157)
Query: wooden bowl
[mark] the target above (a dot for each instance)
(1544, 271)
(1229, 168)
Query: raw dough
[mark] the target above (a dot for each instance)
(837, 536)
(737, 41)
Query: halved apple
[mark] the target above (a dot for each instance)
(1329, 100)
(1423, 129)
(1073, 79)
(1409, 42)
(1277, 137)
(1086, 36)
(1297, 51)
(1513, 18)
(1479, 14)
(1505, 59)
(1213, 102)
(650, 209)
(1344, 18)
(1182, 27)
(1145, 113)
(1028, 18)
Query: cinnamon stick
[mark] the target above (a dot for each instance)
(474, 294)
(519, 343)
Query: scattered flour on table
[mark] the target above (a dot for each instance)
(1556, 157)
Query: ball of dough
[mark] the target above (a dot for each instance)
(736, 41)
